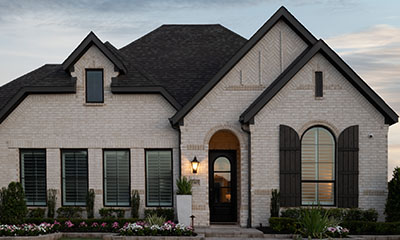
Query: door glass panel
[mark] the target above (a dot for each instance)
(222, 195)
(222, 164)
(222, 179)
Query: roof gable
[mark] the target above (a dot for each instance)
(92, 39)
(281, 14)
(320, 47)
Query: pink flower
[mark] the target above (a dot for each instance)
(103, 224)
(83, 224)
(345, 230)
(331, 229)
(115, 225)
(69, 224)
(95, 224)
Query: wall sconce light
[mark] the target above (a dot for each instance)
(195, 165)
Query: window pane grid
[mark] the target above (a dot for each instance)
(318, 167)
(159, 178)
(116, 177)
(33, 176)
(75, 177)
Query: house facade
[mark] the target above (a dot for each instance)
(278, 111)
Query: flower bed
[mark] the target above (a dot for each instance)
(128, 229)
(168, 229)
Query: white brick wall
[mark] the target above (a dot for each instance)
(342, 106)
(222, 106)
(134, 121)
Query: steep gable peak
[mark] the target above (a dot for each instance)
(90, 40)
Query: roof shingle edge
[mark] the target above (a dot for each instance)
(282, 13)
(320, 47)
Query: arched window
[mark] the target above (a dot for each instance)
(318, 167)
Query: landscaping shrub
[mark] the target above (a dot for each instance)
(90, 196)
(283, 224)
(69, 212)
(392, 207)
(51, 202)
(135, 204)
(184, 186)
(111, 213)
(167, 213)
(275, 203)
(155, 220)
(13, 208)
(313, 222)
(36, 213)
(372, 228)
(340, 214)
(166, 229)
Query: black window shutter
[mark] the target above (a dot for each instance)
(318, 84)
(348, 168)
(289, 167)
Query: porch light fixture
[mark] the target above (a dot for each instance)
(195, 165)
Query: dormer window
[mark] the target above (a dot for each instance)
(94, 86)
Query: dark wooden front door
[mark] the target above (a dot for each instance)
(222, 184)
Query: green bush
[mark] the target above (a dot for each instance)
(275, 203)
(111, 213)
(36, 212)
(372, 228)
(392, 207)
(155, 220)
(90, 196)
(135, 204)
(51, 202)
(13, 208)
(167, 213)
(69, 212)
(340, 214)
(283, 224)
(184, 186)
(313, 222)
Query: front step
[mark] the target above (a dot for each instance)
(229, 232)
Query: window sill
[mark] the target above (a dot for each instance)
(94, 104)
(319, 98)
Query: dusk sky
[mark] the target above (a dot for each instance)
(365, 33)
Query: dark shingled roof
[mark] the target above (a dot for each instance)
(180, 58)
(49, 75)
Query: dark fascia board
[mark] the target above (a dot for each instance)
(92, 39)
(281, 14)
(25, 91)
(248, 115)
(147, 90)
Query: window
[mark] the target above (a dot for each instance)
(33, 176)
(318, 85)
(318, 167)
(116, 178)
(74, 177)
(159, 178)
(94, 86)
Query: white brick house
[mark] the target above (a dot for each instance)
(278, 111)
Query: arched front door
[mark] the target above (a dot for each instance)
(222, 186)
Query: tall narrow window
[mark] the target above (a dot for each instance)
(116, 178)
(74, 177)
(319, 85)
(159, 178)
(318, 167)
(33, 176)
(94, 86)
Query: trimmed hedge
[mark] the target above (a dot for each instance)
(372, 228)
(283, 224)
(342, 214)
